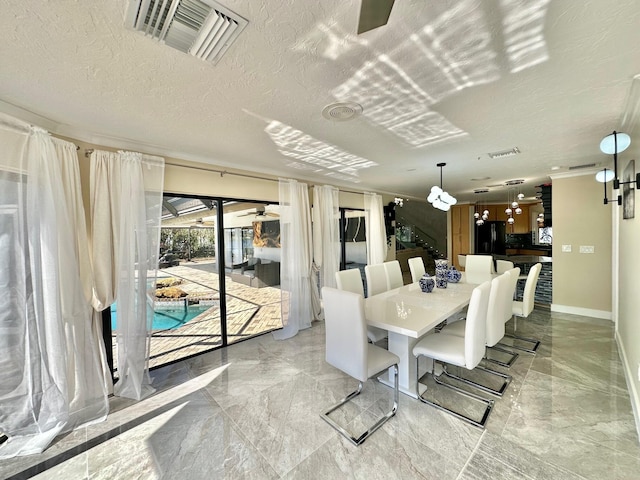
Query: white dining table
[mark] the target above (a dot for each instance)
(408, 314)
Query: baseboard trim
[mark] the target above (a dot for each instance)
(631, 385)
(586, 312)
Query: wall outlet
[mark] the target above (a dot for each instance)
(587, 249)
(566, 248)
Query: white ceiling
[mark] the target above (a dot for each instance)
(443, 81)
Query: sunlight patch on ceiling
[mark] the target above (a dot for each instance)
(331, 41)
(453, 52)
(313, 155)
(523, 28)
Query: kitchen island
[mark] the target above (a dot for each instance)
(525, 262)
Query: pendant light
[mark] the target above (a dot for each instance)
(438, 197)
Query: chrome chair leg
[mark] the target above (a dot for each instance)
(536, 343)
(361, 438)
(498, 392)
(506, 364)
(488, 403)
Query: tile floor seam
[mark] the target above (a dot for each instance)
(511, 411)
(475, 449)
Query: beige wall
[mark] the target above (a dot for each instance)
(628, 321)
(581, 282)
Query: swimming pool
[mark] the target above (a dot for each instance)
(168, 317)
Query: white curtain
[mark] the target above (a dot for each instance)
(375, 232)
(326, 240)
(296, 265)
(126, 205)
(52, 376)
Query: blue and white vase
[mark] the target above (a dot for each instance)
(426, 283)
(442, 266)
(453, 275)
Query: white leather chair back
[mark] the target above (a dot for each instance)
(416, 267)
(478, 268)
(476, 325)
(350, 281)
(495, 311)
(530, 289)
(394, 274)
(376, 276)
(503, 265)
(346, 332)
(462, 260)
(513, 274)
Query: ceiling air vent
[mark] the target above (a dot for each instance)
(586, 165)
(341, 111)
(202, 28)
(514, 182)
(505, 153)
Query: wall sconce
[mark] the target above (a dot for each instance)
(612, 144)
(438, 197)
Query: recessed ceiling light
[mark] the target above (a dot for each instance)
(556, 168)
(514, 182)
(480, 179)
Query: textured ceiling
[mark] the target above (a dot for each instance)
(443, 81)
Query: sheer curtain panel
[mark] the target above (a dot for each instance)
(126, 205)
(375, 235)
(326, 239)
(51, 368)
(295, 274)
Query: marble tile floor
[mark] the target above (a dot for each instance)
(252, 411)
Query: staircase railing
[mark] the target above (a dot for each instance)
(410, 236)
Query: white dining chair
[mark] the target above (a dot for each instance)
(462, 261)
(351, 281)
(524, 308)
(347, 349)
(503, 265)
(416, 267)
(478, 268)
(466, 351)
(376, 276)
(494, 333)
(394, 274)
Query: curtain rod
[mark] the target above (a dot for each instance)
(89, 151)
(246, 175)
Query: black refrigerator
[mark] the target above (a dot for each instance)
(491, 238)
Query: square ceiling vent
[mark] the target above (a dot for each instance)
(202, 28)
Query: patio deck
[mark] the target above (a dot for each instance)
(250, 311)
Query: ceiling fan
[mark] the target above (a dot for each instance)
(200, 222)
(373, 14)
(260, 212)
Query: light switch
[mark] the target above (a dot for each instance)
(586, 249)
(566, 248)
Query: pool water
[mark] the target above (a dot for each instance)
(168, 318)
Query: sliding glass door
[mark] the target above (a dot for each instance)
(219, 276)
(353, 244)
(252, 268)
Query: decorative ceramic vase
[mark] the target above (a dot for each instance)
(426, 283)
(453, 275)
(442, 266)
